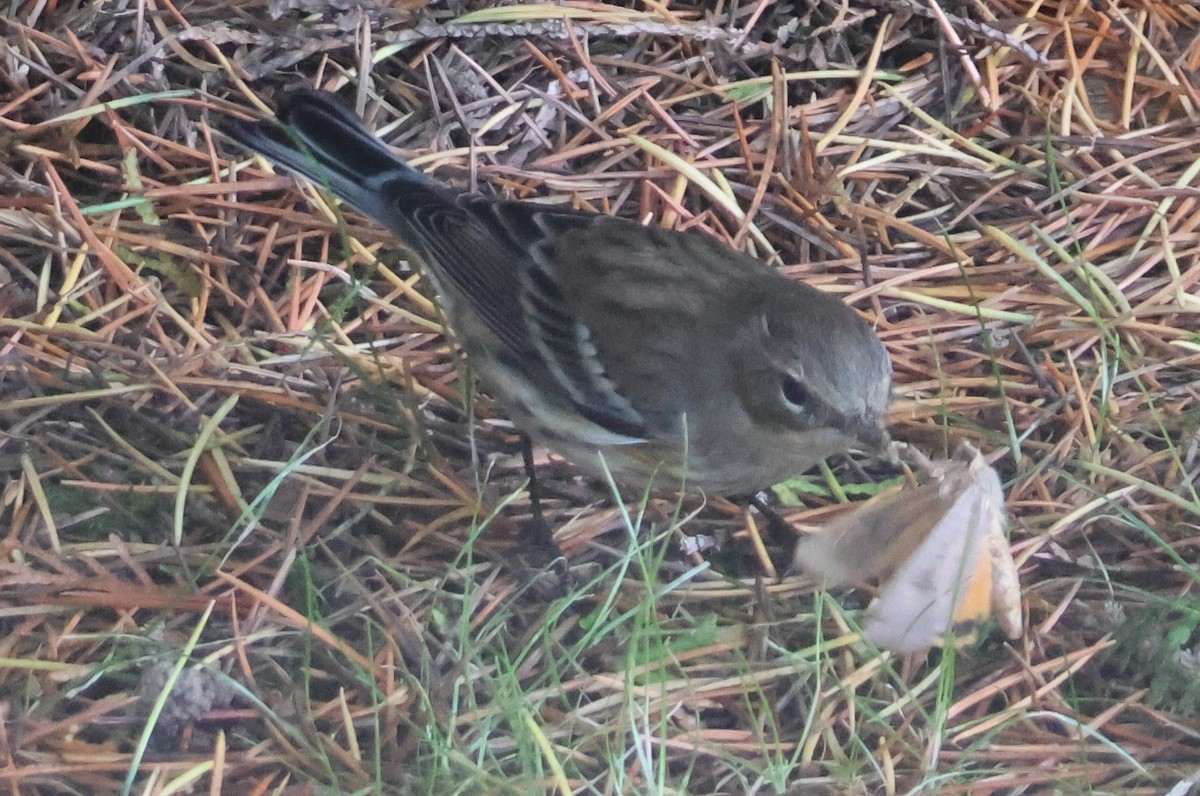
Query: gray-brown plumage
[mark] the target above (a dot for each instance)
(666, 353)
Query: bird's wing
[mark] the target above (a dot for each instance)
(499, 257)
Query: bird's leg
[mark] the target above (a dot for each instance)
(539, 530)
(780, 529)
(540, 533)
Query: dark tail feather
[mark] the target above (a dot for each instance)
(323, 141)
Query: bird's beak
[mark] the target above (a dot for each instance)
(872, 437)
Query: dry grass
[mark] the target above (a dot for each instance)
(246, 545)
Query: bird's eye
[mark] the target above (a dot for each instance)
(794, 392)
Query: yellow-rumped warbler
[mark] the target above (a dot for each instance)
(667, 353)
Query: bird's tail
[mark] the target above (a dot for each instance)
(322, 140)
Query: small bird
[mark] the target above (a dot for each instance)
(648, 353)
